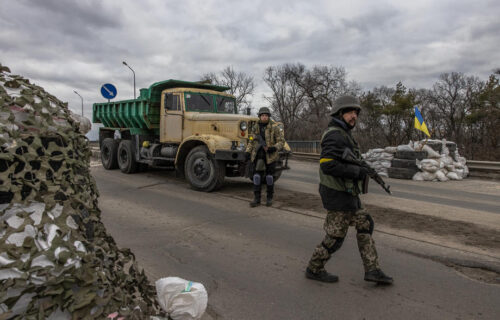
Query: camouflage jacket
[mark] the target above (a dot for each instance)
(274, 138)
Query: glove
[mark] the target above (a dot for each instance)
(271, 149)
(247, 156)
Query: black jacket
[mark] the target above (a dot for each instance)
(332, 146)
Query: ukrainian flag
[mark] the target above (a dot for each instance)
(419, 123)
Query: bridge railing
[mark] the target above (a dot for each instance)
(313, 147)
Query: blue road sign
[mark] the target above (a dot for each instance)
(108, 91)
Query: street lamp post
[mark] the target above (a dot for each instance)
(80, 98)
(133, 73)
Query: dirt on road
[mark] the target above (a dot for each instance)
(461, 232)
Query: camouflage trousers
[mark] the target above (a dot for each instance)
(336, 225)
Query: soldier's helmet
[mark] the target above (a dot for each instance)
(345, 102)
(264, 110)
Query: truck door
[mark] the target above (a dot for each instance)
(171, 122)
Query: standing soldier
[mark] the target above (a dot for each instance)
(266, 139)
(340, 186)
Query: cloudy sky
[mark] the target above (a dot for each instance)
(66, 45)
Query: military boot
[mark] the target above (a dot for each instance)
(269, 198)
(270, 193)
(322, 276)
(378, 276)
(256, 199)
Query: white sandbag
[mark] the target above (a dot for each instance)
(428, 165)
(83, 123)
(182, 299)
(446, 160)
(386, 156)
(404, 147)
(385, 164)
(441, 176)
(383, 174)
(390, 149)
(428, 176)
(378, 150)
(453, 176)
(418, 176)
(431, 153)
(418, 145)
(445, 149)
(450, 167)
(457, 165)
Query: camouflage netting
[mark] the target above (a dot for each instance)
(56, 259)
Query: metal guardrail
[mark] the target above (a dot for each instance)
(483, 165)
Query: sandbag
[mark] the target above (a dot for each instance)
(390, 149)
(418, 177)
(84, 124)
(428, 176)
(182, 299)
(453, 176)
(430, 152)
(428, 165)
(404, 147)
(441, 176)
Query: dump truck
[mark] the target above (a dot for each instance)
(191, 127)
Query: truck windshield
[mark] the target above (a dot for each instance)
(204, 102)
(199, 102)
(225, 104)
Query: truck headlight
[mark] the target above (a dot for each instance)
(243, 125)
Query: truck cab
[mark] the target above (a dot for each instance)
(188, 126)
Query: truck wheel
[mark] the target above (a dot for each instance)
(126, 157)
(202, 171)
(402, 173)
(411, 155)
(109, 153)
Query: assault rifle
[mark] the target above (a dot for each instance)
(262, 142)
(349, 157)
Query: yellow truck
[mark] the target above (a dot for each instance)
(188, 126)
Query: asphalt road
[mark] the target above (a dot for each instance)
(252, 260)
(304, 176)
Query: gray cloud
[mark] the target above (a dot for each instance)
(68, 45)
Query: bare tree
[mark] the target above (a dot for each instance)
(454, 95)
(287, 99)
(241, 85)
(321, 86)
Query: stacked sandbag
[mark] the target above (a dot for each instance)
(56, 259)
(441, 164)
(403, 165)
(380, 159)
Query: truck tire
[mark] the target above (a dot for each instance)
(202, 171)
(401, 173)
(126, 157)
(109, 154)
(403, 163)
(411, 155)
